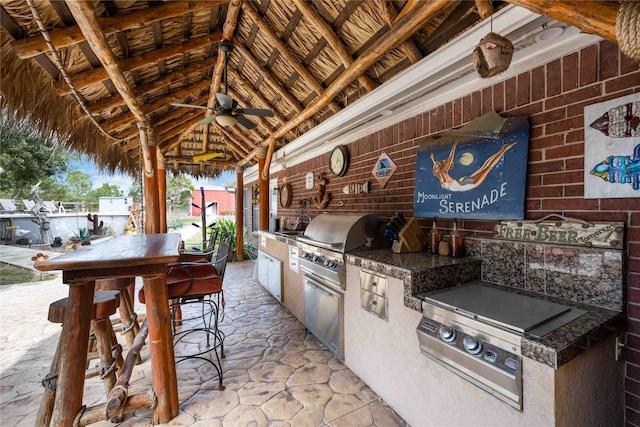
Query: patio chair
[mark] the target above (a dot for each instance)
(199, 283)
(8, 206)
(207, 254)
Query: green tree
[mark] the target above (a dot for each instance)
(135, 191)
(27, 158)
(179, 190)
(79, 184)
(107, 190)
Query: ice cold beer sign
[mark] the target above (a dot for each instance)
(475, 172)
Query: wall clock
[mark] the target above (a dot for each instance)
(339, 160)
(285, 195)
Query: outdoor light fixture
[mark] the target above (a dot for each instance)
(226, 120)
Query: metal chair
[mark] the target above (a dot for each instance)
(199, 283)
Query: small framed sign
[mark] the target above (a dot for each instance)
(567, 232)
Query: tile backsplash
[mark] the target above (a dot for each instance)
(586, 275)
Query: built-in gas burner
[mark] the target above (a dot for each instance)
(476, 331)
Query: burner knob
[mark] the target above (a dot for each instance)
(472, 345)
(315, 258)
(447, 334)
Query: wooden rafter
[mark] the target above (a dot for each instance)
(592, 17)
(289, 57)
(31, 46)
(398, 33)
(332, 40)
(408, 47)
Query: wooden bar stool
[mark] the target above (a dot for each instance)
(128, 317)
(105, 304)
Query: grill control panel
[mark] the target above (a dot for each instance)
(474, 355)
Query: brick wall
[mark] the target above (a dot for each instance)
(554, 97)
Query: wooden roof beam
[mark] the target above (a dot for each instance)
(592, 17)
(32, 46)
(289, 57)
(403, 29)
(408, 47)
(83, 13)
(333, 41)
(118, 122)
(114, 101)
(96, 75)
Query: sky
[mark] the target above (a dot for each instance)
(124, 181)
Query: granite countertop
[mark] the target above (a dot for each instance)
(423, 272)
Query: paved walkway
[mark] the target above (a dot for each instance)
(276, 373)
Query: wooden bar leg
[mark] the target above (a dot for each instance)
(74, 341)
(50, 384)
(104, 343)
(163, 368)
(118, 356)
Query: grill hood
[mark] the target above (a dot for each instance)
(344, 232)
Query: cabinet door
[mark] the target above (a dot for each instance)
(263, 270)
(275, 279)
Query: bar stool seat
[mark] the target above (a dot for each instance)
(105, 304)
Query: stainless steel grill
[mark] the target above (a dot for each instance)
(476, 331)
(322, 248)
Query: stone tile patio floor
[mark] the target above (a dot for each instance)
(276, 373)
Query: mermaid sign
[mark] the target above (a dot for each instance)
(475, 172)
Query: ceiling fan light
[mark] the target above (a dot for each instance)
(225, 120)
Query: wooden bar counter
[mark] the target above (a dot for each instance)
(124, 256)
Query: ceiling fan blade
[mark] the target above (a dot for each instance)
(176, 104)
(206, 156)
(224, 100)
(246, 122)
(207, 120)
(261, 112)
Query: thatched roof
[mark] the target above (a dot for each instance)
(96, 72)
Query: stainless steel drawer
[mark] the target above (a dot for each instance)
(373, 283)
(374, 303)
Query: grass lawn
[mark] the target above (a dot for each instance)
(10, 275)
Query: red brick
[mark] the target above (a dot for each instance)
(575, 135)
(574, 164)
(487, 100)
(588, 65)
(544, 167)
(534, 156)
(466, 109)
(554, 83)
(448, 115)
(546, 142)
(562, 178)
(565, 203)
(620, 204)
(574, 190)
(564, 125)
(575, 96)
(457, 113)
(634, 219)
(627, 64)
(549, 115)
(523, 93)
(544, 192)
(564, 151)
(623, 83)
(476, 104)
(528, 110)
(510, 90)
(608, 59)
(537, 84)
(570, 72)
(498, 97)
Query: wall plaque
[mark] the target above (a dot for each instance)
(384, 169)
(566, 232)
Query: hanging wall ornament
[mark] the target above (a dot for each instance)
(492, 55)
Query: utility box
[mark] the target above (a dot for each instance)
(115, 205)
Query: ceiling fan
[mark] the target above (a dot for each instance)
(226, 111)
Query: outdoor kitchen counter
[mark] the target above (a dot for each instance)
(420, 271)
(423, 272)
